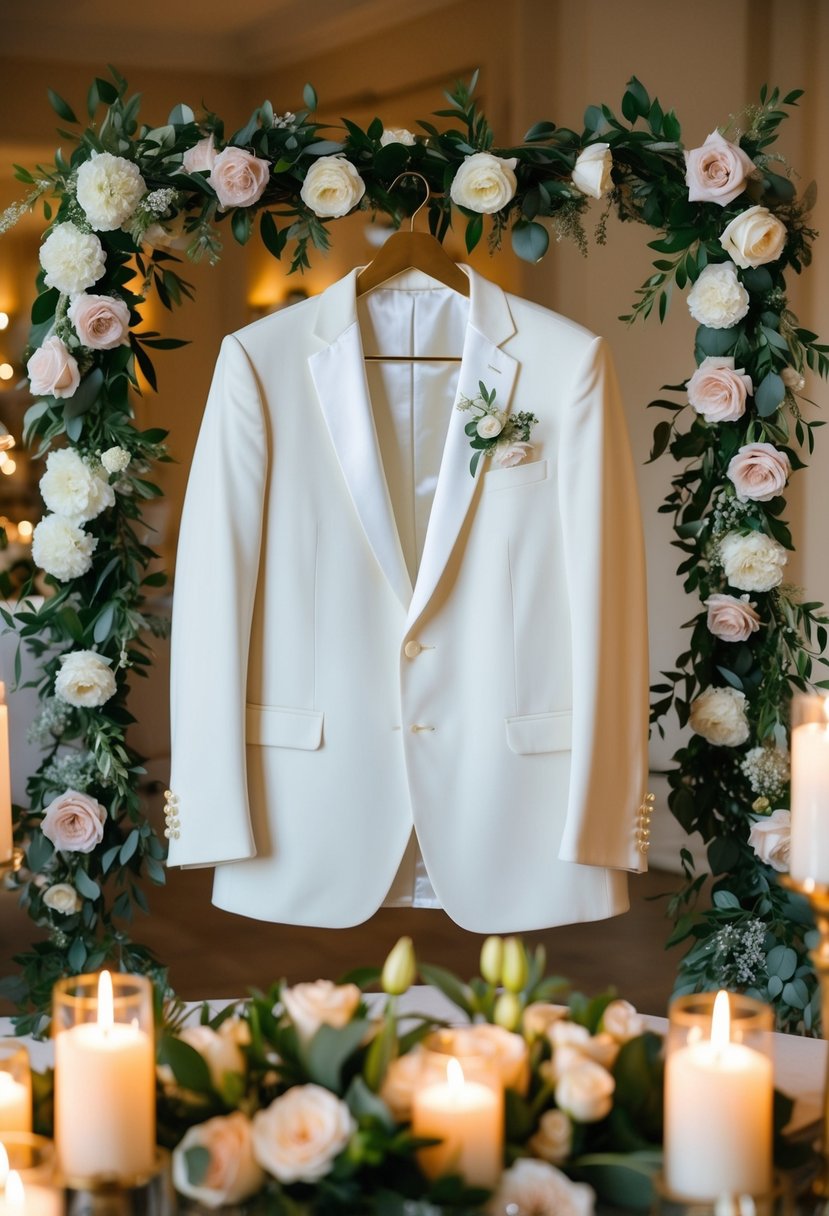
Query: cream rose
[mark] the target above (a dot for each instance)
(718, 390)
(298, 1136)
(591, 172)
(770, 838)
(754, 237)
(585, 1092)
(109, 189)
(62, 897)
(489, 426)
(718, 298)
(232, 1175)
(752, 562)
(397, 135)
(759, 472)
(622, 1021)
(731, 619)
(84, 679)
(332, 187)
(52, 370)
(553, 1141)
(73, 260)
(201, 157)
(115, 460)
(505, 1050)
(540, 1016)
(484, 183)
(74, 822)
(716, 172)
(101, 322)
(72, 489)
(321, 1003)
(61, 548)
(238, 177)
(719, 715)
(568, 1037)
(539, 1189)
(220, 1052)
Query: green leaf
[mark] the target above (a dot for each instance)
(769, 395)
(623, 1179)
(781, 962)
(474, 232)
(661, 439)
(241, 225)
(529, 240)
(86, 885)
(197, 1162)
(716, 341)
(43, 308)
(330, 1048)
(363, 1104)
(181, 115)
(62, 108)
(726, 900)
(447, 983)
(77, 954)
(189, 1068)
(273, 240)
(129, 846)
(103, 624)
(309, 97)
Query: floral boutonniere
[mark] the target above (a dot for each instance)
(505, 436)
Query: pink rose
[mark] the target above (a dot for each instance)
(718, 390)
(508, 454)
(759, 472)
(716, 172)
(731, 619)
(52, 370)
(201, 157)
(74, 822)
(238, 177)
(101, 322)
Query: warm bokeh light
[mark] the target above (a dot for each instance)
(9, 466)
(25, 529)
(6, 371)
(4, 320)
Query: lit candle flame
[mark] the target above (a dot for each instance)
(106, 1010)
(15, 1195)
(721, 1021)
(454, 1075)
(4, 1165)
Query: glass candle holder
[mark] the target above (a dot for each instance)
(458, 1099)
(15, 1088)
(719, 1086)
(26, 1175)
(104, 1077)
(809, 855)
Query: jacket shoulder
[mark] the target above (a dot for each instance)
(526, 314)
(284, 328)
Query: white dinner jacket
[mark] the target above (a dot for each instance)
(367, 639)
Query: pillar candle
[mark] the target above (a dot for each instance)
(6, 845)
(468, 1118)
(718, 1116)
(809, 856)
(104, 1095)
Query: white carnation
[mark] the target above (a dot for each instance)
(85, 679)
(752, 562)
(397, 135)
(719, 715)
(109, 189)
(72, 489)
(115, 460)
(61, 548)
(718, 298)
(73, 260)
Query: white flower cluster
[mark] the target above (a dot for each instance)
(282, 121)
(738, 955)
(767, 770)
(50, 723)
(109, 188)
(73, 260)
(159, 202)
(73, 770)
(728, 514)
(77, 493)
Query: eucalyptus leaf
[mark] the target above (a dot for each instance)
(769, 395)
(530, 240)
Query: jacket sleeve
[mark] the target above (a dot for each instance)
(604, 560)
(216, 575)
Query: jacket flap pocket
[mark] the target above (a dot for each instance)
(532, 733)
(271, 726)
(518, 475)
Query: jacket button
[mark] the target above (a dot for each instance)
(412, 649)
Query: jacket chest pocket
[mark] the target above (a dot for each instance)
(531, 734)
(519, 475)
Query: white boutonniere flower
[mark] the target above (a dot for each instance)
(493, 432)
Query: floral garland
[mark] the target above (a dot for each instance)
(729, 225)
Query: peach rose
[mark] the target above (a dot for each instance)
(201, 157)
(404, 1076)
(52, 370)
(718, 390)
(232, 1173)
(622, 1021)
(220, 1052)
(74, 822)
(322, 1003)
(586, 1092)
(238, 177)
(553, 1141)
(298, 1136)
(754, 237)
(716, 172)
(731, 619)
(101, 322)
(759, 472)
(540, 1016)
(505, 1051)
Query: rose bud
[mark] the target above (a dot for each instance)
(492, 960)
(400, 968)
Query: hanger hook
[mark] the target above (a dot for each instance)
(420, 206)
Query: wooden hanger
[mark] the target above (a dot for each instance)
(412, 251)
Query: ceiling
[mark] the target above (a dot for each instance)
(210, 35)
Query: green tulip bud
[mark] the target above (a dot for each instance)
(492, 960)
(516, 970)
(400, 968)
(507, 1012)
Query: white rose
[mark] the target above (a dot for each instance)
(754, 237)
(332, 187)
(718, 714)
(101, 322)
(770, 838)
(792, 379)
(52, 370)
(591, 172)
(63, 898)
(201, 157)
(115, 460)
(298, 1136)
(85, 679)
(109, 189)
(61, 548)
(718, 389)
(484, 183)
(752, 562)
(718, 298)
(505, 1051)
(321, 1003)
(72, 489)
(397, 135)
(553, 1141)
(621, 1020)
(540, 1016)
(232, 1173)
(73, 260)
(586, 1092)
(508, 454)
(489, 426)
(731, 619)
(220, 1052)
(539, 1189)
